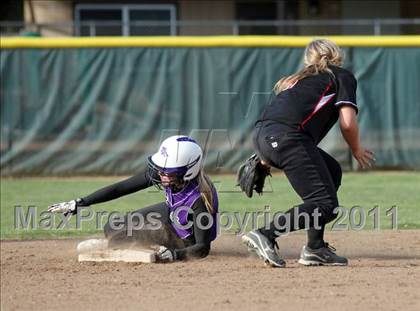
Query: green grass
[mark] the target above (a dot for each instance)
(367, 190)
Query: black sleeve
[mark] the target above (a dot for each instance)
(201, 248)
(135, 183)
(346, 94)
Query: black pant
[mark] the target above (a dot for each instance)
(313, 174)
(120, 234)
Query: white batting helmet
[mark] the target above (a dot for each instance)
(180, 155)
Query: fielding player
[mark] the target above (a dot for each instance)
(188, 217)
(307, 104)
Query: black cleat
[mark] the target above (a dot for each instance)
(324, 256)
(264, 248)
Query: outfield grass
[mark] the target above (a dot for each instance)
(367, 190)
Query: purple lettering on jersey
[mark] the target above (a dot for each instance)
(181, 202)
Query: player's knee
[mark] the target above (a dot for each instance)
(327, 203)
(112, 227)
(326, 209)
(330, 212)
(330, 216)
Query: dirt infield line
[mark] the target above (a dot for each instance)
(384, 274)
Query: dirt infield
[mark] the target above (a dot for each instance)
(384, 274)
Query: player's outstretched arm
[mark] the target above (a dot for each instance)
(111, 192)
(350, 130)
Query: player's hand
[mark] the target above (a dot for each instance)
(364, 157)
(164, 254)
(64, 207)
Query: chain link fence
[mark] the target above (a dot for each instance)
(216, 27)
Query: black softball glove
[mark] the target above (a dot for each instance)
(251, 176)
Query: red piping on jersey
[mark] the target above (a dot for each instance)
(315, 110)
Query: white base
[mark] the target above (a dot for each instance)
(115, 255)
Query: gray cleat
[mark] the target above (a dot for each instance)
(324, 256)
(263, 247)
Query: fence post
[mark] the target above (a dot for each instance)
(92, 30)
(377, 27)
(235, 28)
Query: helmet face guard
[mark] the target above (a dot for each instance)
(155, 172)
(179, 173)
(179, 158)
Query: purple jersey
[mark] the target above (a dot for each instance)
(181, 202)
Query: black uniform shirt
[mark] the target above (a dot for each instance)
(312, 103)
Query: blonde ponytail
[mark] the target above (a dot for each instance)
(206, 191)
(319, 54)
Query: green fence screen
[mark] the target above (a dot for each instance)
(103, 110)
